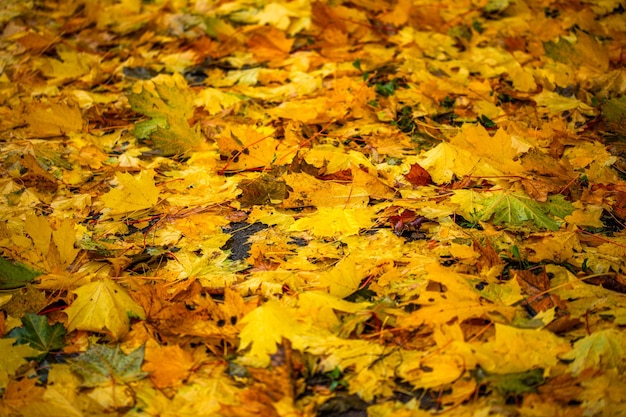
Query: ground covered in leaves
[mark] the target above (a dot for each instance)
(295, 208)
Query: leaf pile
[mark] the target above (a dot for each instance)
(308, 208)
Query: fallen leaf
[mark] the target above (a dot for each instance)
(134, 193)
(169, 104)
(103, 306)
(603, 349)
(102, 365)
(418, 176)
(168, 366)
(37, 333)
(14, 356)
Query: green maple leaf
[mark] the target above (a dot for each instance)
(15, 274)
(13, 357)
(36, 332)
(561, 51)
(518, 209)
(101, 364)
(513, 383)
(169, 103)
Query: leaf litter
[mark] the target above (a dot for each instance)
(312, 208)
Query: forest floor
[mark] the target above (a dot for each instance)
(294, 208)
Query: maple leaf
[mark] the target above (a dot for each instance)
(342, 279)
(614, 112)
(460, 301)
(248, 147)
(306, 190)
(54, 247)
(53, 119)
(103, 306)
(499, 150)
(19, 395)
(59, 398)
(558, 103)
(133, 194)
(335, 221)
(269, 43)
(264, 329)
(101, 365)
(39, 334)
(602, 349)
(168, 366)
(40, 232)
(513, 383)
(520, 350)
(418, 176)
(214, 100)
(169, 104)
(12, 358)
(15, 275)
(210, 387)
(71, 63)
(64, 238)
(517, 209)
(445, 161)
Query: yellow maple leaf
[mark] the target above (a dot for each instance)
(168, 365)
(322, 306)
(585, 215)
(280, 15)
(264, 328)
(211, 388)
(55, 248)
(71, 63)
(306, 111)
(431, 371)
(459, 301)
(519, 350)
(445, 161)
(132, 194)
(39, 231)
(248, 147)
(557, 103)
(64, 238)
(53, 119)
(342, 279)
(307, 190)
(207, 189)
(602, 349)
(214, 100)
(62, 396)
(499, 150)
(103, 307)
(20, 394)
(12, 357)
(269, 44)
(368, 362)
(334, 221)
(560, 247)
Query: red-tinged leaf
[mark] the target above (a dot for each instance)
(418, 176)
(344, 175)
